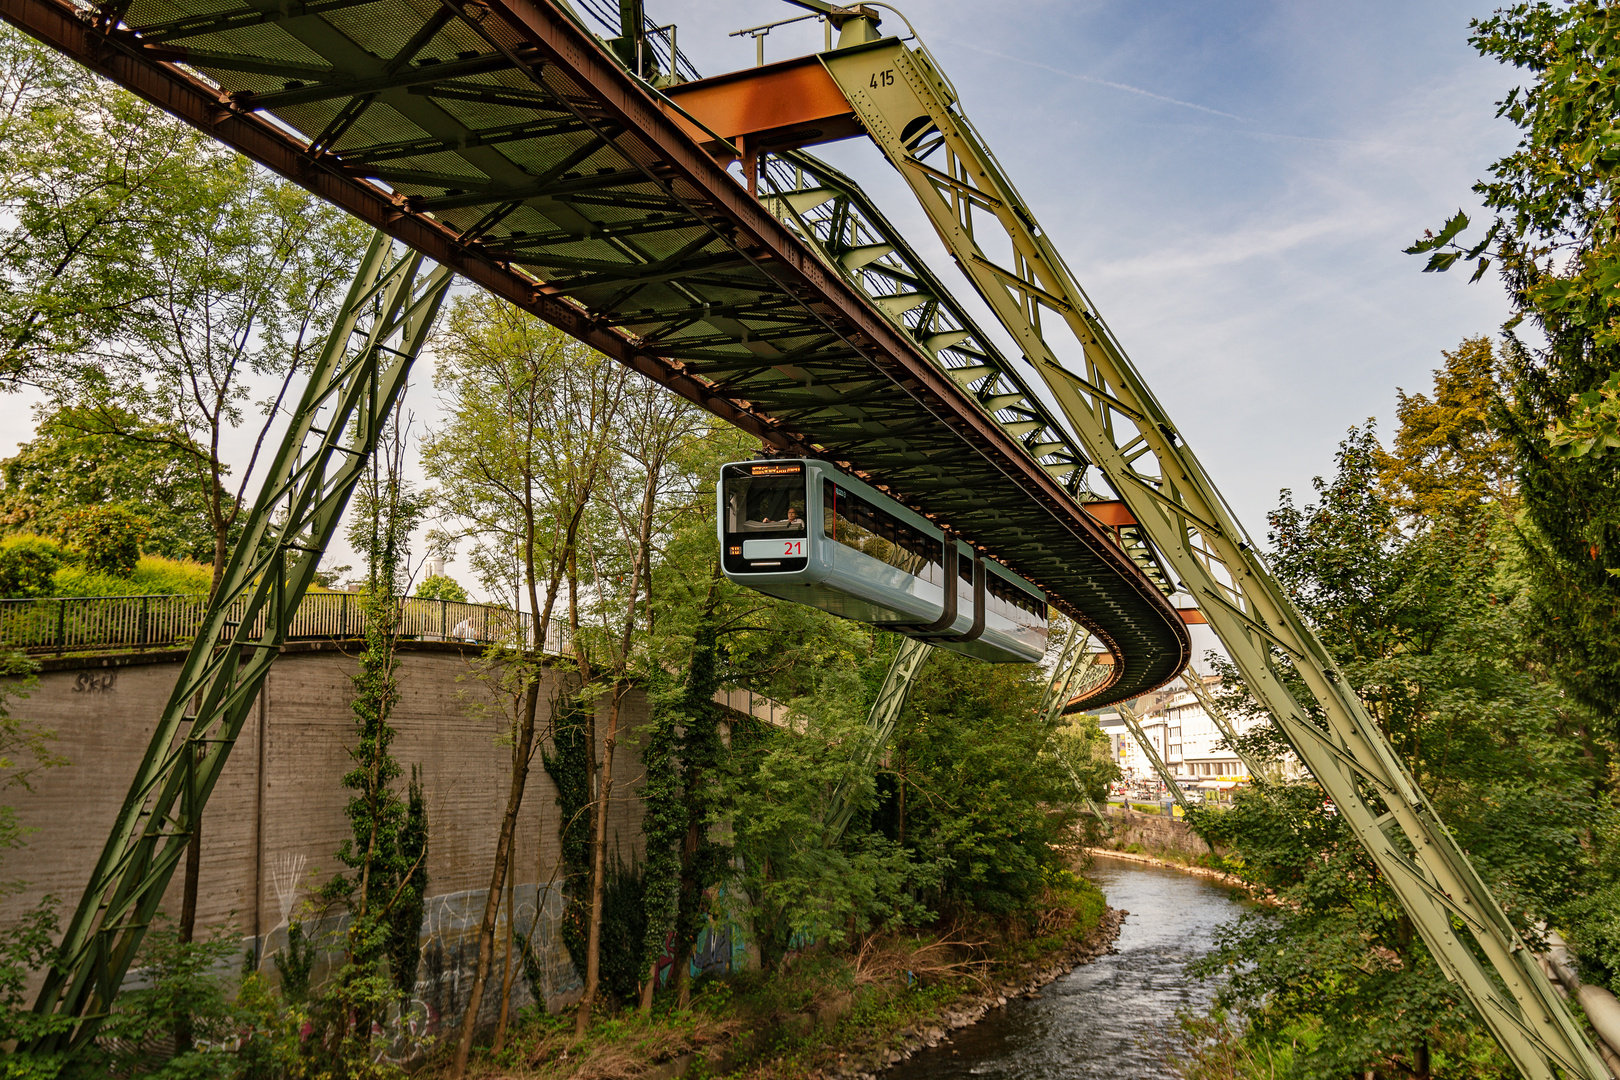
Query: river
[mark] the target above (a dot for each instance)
(1114, 1018)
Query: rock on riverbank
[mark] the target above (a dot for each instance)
(972, 1008)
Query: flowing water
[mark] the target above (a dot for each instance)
(1114, 1018)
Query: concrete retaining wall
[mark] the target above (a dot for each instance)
(1153, 833)
(275, 821)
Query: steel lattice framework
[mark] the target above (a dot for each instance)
(501, 139)
(352, 388)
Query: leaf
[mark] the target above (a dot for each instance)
(1457, 223)
(1441, 261)
(1479, 271)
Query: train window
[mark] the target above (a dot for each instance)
(856, 523)
(765, 499)
(1005, 591)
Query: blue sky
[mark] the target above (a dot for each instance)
(1231, 182)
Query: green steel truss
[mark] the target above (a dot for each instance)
(880, 721)
(831, 212)
(352, 389)
(1218, 717)
(1134, 723)
(503, 139)
(907, 106)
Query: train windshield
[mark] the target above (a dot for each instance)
(765, 499)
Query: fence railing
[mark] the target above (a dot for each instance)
(97, 623)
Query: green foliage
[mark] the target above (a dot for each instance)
(983, 801)
(28, 566)
(440, 587)
(569, 766)
(1430, 624)
(404, 946)
(27, 945)
(296, 963)
(1593, 424)
(185, 989)
(87, 174)
(1338, 955)
(107, 538)
(78, 458)
(1557, 242)
(800, 876)
(152, 576)
(624, 929)
(1449, 459)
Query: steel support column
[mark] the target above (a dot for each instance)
(908, 662)
(1127, 714)
(353, 386)
(909, 109)
(1219, 718)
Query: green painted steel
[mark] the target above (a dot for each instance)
(503, 139)
(1222, 722)
(908, 661)
(1134, 723)
(908, 107)
(352, 388)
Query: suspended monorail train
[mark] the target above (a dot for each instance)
(802, 530)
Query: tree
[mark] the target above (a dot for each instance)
(1555, 239)
(247, 277)
(107, 538)
(1449, 458)
(973, 790)
(1431, 625)
(386, 851)
(87, 175)
(440, 587)
(71, 464)
(528, 436)
(653, 425)
(797, 874)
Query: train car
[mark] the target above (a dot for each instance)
(802, 530)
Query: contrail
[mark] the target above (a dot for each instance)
(1127, 87)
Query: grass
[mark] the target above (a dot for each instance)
(824, 1006)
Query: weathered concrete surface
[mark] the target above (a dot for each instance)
(1154, 833)
(275, 821)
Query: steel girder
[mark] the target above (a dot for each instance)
(907, 106)
(353, 385)
(501, 139)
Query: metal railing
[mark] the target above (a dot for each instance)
(99, 623)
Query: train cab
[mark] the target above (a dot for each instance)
(802, 530)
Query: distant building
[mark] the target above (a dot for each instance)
(1184, 737)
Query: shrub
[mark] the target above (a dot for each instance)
(108, 537)
(153, 576)
(28, 566)
(440, 587)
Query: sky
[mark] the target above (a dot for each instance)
(1232, 183)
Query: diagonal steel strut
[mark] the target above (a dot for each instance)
(1218, 717)
(908, 107)
(1132, 721)
(353, 385)
(880, 722)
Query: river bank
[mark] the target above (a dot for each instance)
(829, 1014)
(1116, 1017)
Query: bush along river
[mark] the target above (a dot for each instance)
(1114, 1018)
